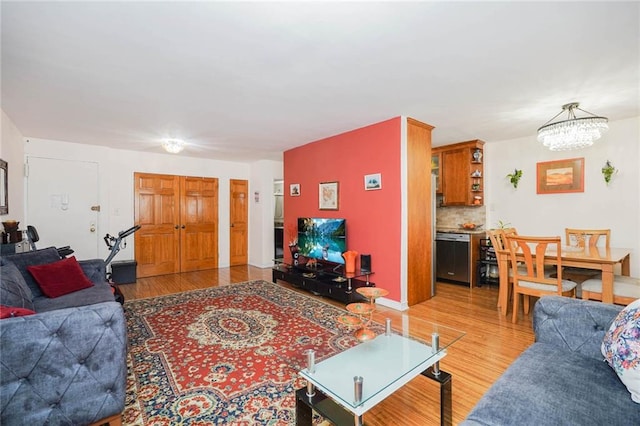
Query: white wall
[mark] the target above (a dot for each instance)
(116, 168)
(616, 206)
(261, 241)
(12, 151)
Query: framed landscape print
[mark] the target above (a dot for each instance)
(328, 196)
(560, 176)
(373, 182)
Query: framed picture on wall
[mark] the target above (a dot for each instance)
(294, 189)
(560, 176)
(4, 187)
(373, 182)
(328, 196)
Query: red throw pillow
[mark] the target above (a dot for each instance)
(59, 278)
(12, 311)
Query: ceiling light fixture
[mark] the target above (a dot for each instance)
(574, 132)
(173, 146)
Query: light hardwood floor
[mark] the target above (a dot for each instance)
(490, 345)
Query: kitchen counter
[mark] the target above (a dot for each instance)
(461, 230)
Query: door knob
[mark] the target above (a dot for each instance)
(92, 229)
(183, 226)
(176, 227)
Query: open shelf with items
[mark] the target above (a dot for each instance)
(323, 278)
(487, 268)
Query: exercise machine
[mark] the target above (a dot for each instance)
(115, 244)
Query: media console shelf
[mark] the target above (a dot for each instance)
(324, 279)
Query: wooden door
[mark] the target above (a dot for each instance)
(198, 223)
(157, 209)
(238, 217)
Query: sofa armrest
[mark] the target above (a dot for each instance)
(66, 366)
(95, 270)
(573, 324)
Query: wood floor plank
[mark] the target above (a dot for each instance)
(490, 344)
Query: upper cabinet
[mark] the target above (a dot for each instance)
(436, 170)
(460, 172)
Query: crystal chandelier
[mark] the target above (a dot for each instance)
(173, 146)
(572, 133)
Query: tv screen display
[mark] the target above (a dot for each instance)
(320, 238)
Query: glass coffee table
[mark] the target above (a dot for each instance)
(344, 386)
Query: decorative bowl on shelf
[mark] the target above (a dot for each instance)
(372, 292)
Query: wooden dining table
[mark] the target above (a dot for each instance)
(599, 258)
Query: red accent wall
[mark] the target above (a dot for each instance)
(373, 217)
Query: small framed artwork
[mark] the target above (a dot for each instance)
(560, 176)
(328, 196)
(294, 189)
(4, 187)
(373, 182)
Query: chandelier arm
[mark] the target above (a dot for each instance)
(587, 112)
(556, 116)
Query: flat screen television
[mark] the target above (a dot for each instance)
(322, 238)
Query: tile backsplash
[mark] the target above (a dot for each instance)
(452, 217)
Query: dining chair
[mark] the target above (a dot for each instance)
(587, 237)
(532, 280)
(497, 237)
(625, 289)
(584, 239)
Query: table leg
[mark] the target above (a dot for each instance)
(444, 378)
(626, 266)
(324, 406)
(304, 415)
(607, 283)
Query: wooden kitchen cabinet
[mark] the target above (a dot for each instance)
(436, 160)
(461, 173)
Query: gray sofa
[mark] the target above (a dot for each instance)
(65, 365)
(562, 379)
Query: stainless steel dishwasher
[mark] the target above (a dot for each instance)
(453, 257)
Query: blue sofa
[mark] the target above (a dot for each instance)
(65, 365)
(562, 379)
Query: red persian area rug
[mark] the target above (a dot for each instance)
(224, 355)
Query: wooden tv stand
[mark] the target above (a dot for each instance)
(323, 279)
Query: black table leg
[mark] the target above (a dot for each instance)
(444, 378)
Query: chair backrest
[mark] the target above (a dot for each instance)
(497, 237)
(587, 237)
(530, 252)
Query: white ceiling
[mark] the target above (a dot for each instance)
(246, 81)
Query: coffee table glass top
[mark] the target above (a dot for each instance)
(384, 363)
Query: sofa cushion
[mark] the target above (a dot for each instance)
(14, 291)
(549, 386)
(59, 278)
(35, 257)
(13, 311)
(621, 348)
(89, 296)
